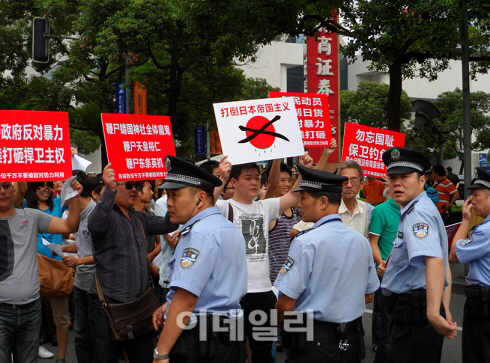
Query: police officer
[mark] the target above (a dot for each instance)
(413, 285)
(329, 274)
(475, 251)
(208, 273)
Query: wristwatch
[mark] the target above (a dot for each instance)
(158, 356)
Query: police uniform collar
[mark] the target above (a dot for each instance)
(409, 207)
(202, 214)
(325, 219)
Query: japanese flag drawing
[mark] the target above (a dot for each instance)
(257, 130)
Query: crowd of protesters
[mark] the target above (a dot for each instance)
(120, 235)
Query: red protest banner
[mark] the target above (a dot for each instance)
(313, 116)
(323, 75)
(137, 145)
(35, 146)
(366, 146)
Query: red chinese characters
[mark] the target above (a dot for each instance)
(137, 145)
(313, 117)
(366, 146)
(34, 146)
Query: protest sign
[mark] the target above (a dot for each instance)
(366, 145)
(451, 232)
(313, 117)
(34, 146)
(137, 145)
(258, 130)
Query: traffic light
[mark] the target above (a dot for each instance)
(40, 41)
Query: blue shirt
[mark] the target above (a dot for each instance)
(421, 234)
(329, 270)
(210, 262)
(57, 211)
(475, 251)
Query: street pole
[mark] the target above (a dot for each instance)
(466, 100)
(441, 148)
(208, 141)
(128, 88)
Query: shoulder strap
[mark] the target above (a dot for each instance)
(100, 294)
(230, 212)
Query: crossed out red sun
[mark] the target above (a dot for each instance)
(261, 141)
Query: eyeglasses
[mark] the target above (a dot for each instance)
(130, 185)
(45, 186)
(6, 186)
(353, 181)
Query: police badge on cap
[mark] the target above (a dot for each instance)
(405, 161)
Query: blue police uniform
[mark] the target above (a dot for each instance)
(329, 270)
(475, 251)
(209, 262)
(421, 234)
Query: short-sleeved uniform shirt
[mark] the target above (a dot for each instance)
(209, 261)
(329, 270)
(475, 251)
(19, 276)
(253, 221)
(445, 190)
(384, 223)
(421, 233)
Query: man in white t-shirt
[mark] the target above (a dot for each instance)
(252, 217)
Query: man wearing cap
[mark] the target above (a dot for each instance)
(416, 284)
(208, 273)
(328, 275)
(475, 251)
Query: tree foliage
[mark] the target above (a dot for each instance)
(368, 105)
(451, 106)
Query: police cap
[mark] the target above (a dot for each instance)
(405, 161)
(482, 180)
(313, 179)
(183, 174)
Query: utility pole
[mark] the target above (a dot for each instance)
(466, 99)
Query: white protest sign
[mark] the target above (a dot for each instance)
(67, 192)
(258, 130)
(79, 163)
(54, 247)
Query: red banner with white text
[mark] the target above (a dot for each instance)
(323, 78)
(366, 145)
(137, 145)
(313, 117)
(34, 146)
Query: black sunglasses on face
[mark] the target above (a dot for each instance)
(130, 185)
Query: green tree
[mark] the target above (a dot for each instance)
(451, 106)
(411, 38)
(368, 105)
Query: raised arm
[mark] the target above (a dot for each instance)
(98, 220)
(224, 174)
(292, 198)
(70, 224)
(20, 192)
(273, 180)
(462, 232)
(322, 163)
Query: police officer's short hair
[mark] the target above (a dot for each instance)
(334, 198)
(236, 170)
(439, 170)
(350, 164)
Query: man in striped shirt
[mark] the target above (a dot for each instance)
(448, 194)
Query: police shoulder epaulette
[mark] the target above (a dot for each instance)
(187, 229)
(300, 234)
(411, 207)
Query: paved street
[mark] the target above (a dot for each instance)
(451, 350)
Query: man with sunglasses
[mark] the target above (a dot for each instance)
(120, 253)
(20, 306)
